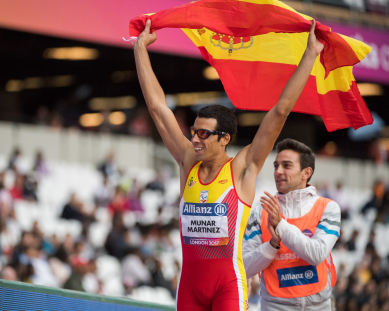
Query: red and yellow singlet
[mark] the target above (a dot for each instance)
(213, 220)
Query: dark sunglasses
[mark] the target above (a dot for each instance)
(204, 134)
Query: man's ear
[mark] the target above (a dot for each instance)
(307, 173)
(226, 139)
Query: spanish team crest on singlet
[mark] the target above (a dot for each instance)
(204, 196)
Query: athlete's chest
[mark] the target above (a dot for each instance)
(196, 191)
(204, 210)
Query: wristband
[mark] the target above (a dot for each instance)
(276, 246)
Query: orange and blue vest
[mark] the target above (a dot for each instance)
(291, 276)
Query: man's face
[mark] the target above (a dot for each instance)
(210, 147)
(287, 172)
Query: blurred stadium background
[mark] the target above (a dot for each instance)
(88, 192)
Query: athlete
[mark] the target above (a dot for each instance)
(217, 191)
(289, 237)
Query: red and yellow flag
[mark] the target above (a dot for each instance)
(256, 45)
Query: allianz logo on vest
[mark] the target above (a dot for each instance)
(308, 274)
(297, 276)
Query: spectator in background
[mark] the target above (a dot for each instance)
(134, 273)
(119, 202)
(24, 188)
(103, 193)
(340, 197)
(351, 244)
(117, 242)
(65, 250)
(370, 248)
(366, 288)
(74, 209)
(43, 275)
(6, 202)
(379, 201)
(17, 191)
(79, 270)
(158, 184)
(159, 279)
(108, 167)
(8, 273)
(40, 167)
(134, 194)
(78, 253)
(46, 244)
(14, 161)
(340, 243)
(30, 261)
(30, 189)
(27, 239)
(7, 240)
(9, 228)
(341, 293)
(90, 281)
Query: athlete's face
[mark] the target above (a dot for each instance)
(210, 147)
(287, 172)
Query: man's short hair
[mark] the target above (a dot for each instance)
(307, 157)
(226, 120)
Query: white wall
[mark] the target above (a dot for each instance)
(75, 146)
(84, 147)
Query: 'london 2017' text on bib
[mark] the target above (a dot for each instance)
(205, 224)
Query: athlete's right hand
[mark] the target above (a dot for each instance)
(146, 38)
(314, 45)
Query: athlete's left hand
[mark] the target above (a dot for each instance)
(272, 206)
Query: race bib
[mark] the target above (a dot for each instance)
(205, 224)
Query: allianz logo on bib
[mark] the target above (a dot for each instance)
(205, 209)
(220, 209)
(297, 276)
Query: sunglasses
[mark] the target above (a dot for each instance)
(204, 134)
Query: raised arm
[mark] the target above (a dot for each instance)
(177, 144)
(252, 157)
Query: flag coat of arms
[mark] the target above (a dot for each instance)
(256, 45)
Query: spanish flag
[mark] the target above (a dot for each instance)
(256, 45)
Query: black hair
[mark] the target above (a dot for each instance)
(225, 118)
(307, 157)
